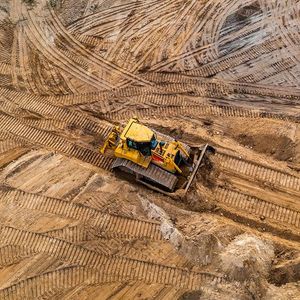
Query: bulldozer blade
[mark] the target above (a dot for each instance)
(198, 163)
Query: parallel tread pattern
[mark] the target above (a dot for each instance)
(121, 267)
(261, 173)
(54, 142)
(257, 207)
(102, 222)
(198, 110)
(61, 114)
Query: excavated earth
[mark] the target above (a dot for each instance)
(223, 72)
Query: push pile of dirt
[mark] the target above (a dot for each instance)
(247, 257)
(223, 73)
(200, 248)
(280, 147)
(286, 271)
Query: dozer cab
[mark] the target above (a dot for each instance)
(158, 161)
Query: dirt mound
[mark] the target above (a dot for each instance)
(219, 292)
(208, 173)
(287, 271)
(247, 257)
(201, 247)
(289, 291)
(280, 147)
(178, 133)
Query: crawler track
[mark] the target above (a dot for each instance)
(43, 107)
(71, 69)
(75, 234)
(10, 254)
(258, 208)
(248, 169)
(103, 223)
(47, 284)
(272, 70)
(197, 111)
(8, 145)
(184, 82)
(53, 142)
(117, 266)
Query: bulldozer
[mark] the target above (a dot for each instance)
(158, 161)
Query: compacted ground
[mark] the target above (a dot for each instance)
(223, 72)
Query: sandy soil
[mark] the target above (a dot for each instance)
(218, 72)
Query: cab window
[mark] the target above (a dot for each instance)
(132, 144)
(144, 148)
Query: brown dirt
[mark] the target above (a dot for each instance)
(217, 72)
(280, 147)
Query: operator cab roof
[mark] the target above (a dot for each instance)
(137, 132)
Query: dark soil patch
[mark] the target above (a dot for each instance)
(179, 134)
(194, 295)
(280, 147)
(289, 272)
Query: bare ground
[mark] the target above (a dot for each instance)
(217, 72)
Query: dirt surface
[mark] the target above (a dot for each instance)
(220, 72)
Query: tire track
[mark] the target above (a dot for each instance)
(135, 23)
(10, 254)
(84, 23)
(203, 50)
(115, 225)
(47, 284)
(38, 38)
(54, 142)
(97, 60)
(121, 267)
(15, 63)
(217, 23)
(60, 114)
(257, 207)
(248, 169)
(30, 82)
(237, 58)
(203, 15)
(197, 111)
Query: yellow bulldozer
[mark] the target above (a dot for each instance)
(156, 160)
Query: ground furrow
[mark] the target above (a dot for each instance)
(198, 111)
(101, 222)
(264, 174)
(131, 269)
(252, 205)
(41, 106)
(53, 142)
(58, 280)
